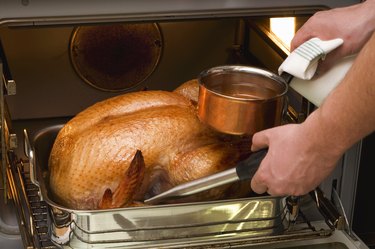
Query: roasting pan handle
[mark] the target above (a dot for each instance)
(29, 152)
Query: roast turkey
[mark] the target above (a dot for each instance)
(127, 148)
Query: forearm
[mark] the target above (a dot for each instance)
(348, 113)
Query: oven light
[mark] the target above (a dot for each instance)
(284, 28)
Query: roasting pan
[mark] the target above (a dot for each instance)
(250, 221)
(163, 225)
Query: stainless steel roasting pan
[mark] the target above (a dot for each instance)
(168, 226)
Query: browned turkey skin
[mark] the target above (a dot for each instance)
(94, 162)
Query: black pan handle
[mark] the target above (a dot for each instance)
(246, 169)
(287, 77)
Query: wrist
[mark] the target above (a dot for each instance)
(322, 131)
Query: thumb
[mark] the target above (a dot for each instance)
(257, 185)
(260, 140)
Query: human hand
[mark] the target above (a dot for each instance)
(354, 24)
(296, 162)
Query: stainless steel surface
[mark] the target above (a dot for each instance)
(169, 225)
(43, 12)
(241, 100)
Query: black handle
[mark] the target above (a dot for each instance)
(326, 207)
(287, 77)
(246, 169)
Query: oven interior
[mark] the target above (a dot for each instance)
(52, 72)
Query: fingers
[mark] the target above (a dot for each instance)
(260, 140)
(299, 38)
(258, 186)
(258, 183)
(261, 186)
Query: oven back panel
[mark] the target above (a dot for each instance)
(48, 85)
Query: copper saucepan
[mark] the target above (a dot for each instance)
(241, 100)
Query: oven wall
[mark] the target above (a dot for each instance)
(48, 86)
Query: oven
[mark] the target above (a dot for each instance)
(57, 59)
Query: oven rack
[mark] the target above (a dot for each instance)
(31, 210)
(35, 225)
(34, 228)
